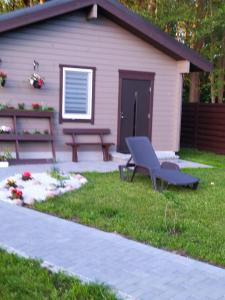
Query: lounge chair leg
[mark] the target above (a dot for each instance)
(194, 186)
(162, 185)
(134, 172)
(121, 171)
(154, 183)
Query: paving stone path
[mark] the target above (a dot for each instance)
(136, 270)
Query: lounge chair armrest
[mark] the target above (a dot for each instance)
(170, 166)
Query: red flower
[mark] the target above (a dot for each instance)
(36, 105)
(26, 176)
(16, 194)
(40, 82)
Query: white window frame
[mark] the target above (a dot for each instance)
(88, 115)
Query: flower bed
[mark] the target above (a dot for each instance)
(26, 188)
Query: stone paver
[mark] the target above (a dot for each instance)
(135, 270)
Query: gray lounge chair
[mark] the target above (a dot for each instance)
(146, 161)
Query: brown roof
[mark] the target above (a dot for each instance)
(116, 12)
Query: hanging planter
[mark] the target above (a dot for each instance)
(3, 77)
(36, 81)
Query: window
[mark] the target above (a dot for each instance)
(77, 93)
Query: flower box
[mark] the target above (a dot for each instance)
(7, 137)
(34, 137)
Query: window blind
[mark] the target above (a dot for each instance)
(76, 92)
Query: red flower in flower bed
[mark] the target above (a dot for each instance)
(26, 176)
(16, 194)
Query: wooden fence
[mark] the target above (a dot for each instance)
(203, 127)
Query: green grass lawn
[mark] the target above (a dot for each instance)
(179, 219)
(23, 279)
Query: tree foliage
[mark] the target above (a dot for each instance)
(8, 5)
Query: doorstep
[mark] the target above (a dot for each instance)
(121, 158)
(162, 156)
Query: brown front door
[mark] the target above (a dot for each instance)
(135, 106)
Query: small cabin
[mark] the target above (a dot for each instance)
(97, 65)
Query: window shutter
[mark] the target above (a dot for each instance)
(76, 92)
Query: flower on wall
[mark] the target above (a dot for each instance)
(21, 106)
(3, 77)
(36, 81)
(36, 106)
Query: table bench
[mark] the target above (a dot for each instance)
(98, 132)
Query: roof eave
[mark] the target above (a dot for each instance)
(205, 67)
(121, 16)
(36, 16)
(156, 37)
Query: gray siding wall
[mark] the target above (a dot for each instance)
(73, 40)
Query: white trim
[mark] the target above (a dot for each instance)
(183, 66)
(93, 13)
(88, 115)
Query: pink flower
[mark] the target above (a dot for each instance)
(26, 176)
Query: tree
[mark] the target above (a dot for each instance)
(9, 5)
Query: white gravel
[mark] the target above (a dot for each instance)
(41, 187)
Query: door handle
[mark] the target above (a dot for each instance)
(122, 116)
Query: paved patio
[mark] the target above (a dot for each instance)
(82, 166)
(135, 270)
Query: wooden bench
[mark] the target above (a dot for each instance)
(98, 132)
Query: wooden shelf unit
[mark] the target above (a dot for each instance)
(18, 138)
